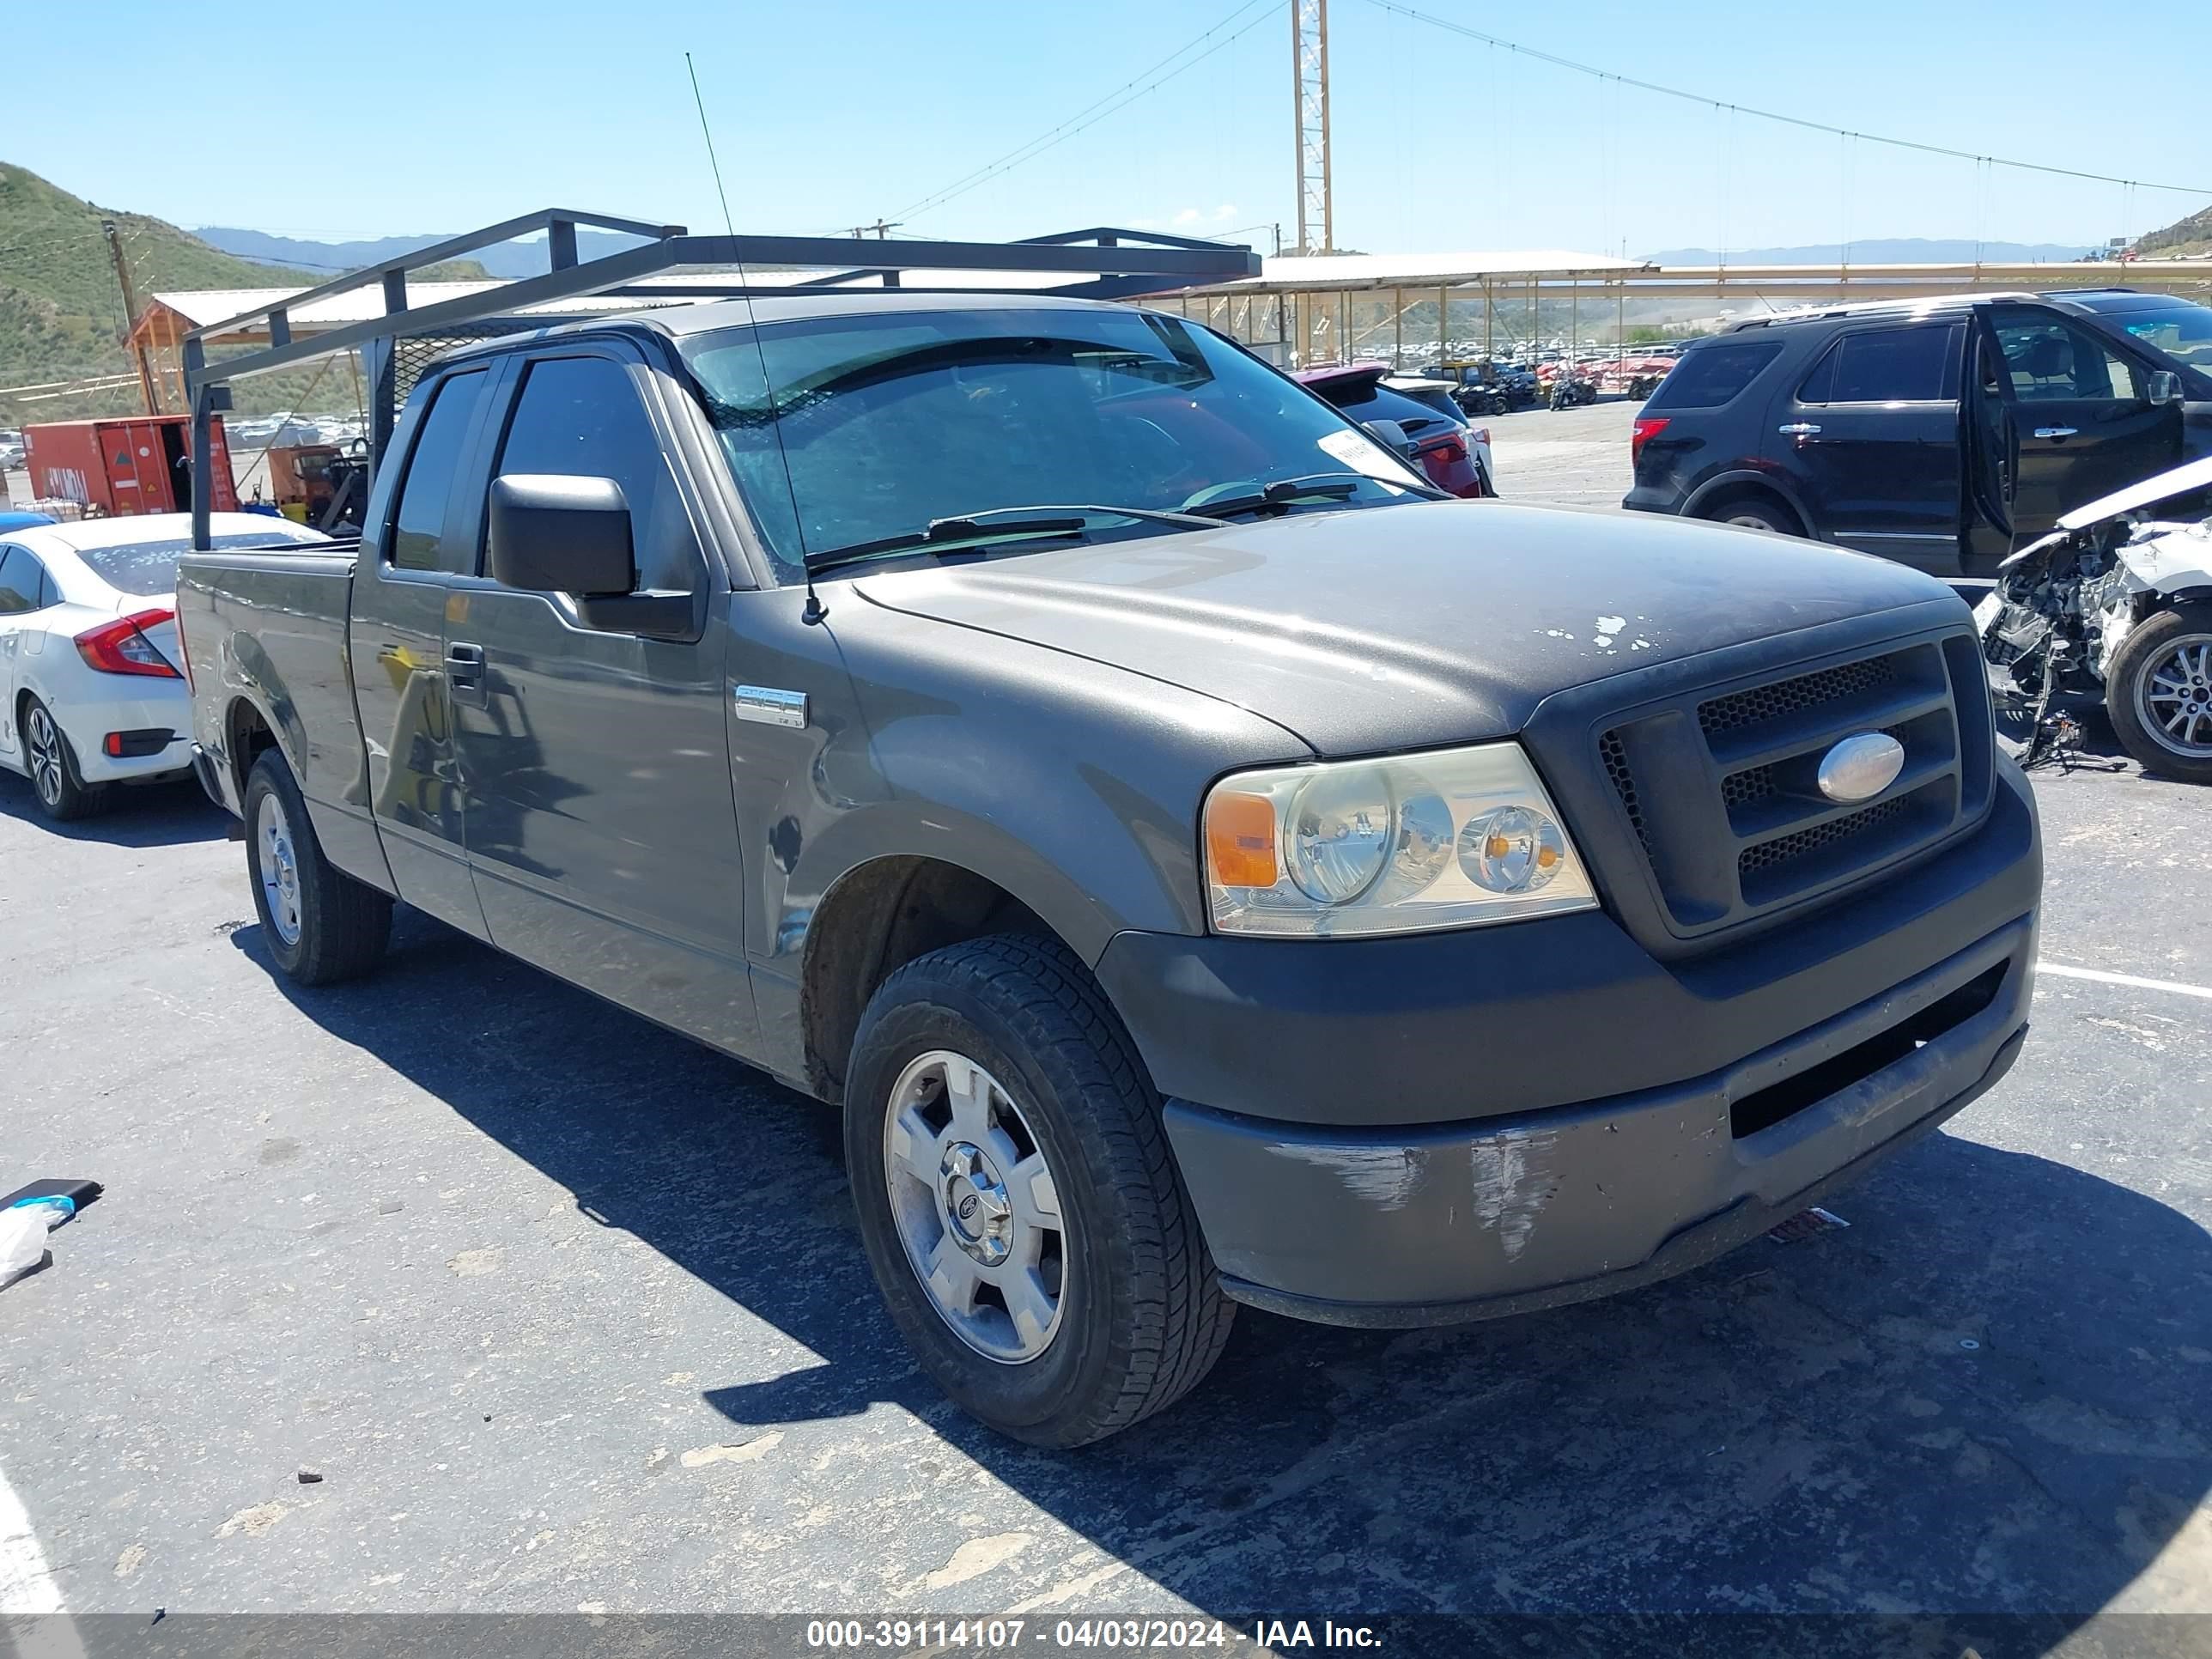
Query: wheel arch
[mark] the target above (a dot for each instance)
(1738, 482)
(248, 733)
(873, 919)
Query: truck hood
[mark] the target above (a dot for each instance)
(1402, 627)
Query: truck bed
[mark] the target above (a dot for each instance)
(267, 631)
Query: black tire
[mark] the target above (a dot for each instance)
(1753, 514)
(343, 924)
(56, 784)
(2148, 646)
(1143, 1318)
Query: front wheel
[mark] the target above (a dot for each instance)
(321, 925)
(2159, 693)
(1018, 1199)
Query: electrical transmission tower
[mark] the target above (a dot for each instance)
(1309, 46)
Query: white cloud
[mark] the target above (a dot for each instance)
(1187, 217)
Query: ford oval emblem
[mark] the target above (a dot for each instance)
(1860, 767)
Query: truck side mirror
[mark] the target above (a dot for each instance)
(553, 533)
(2165, 387)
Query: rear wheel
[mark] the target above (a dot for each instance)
(2159, 693)
(1017, 1197)
(1753, 514)
(61, 789)
(320, 924)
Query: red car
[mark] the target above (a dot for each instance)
(1440, 446)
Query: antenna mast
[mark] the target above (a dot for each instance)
(1309, 66)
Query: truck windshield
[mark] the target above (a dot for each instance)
(890, 420)
(2180, 331)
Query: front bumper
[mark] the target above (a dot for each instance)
(1491, 1126)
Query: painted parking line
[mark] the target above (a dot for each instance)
(2059, 970)
(33, 1621)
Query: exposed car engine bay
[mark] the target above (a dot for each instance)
(2117, 602)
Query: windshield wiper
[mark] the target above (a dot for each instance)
(1232, 500)
(998, 524)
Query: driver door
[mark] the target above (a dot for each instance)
(2081, 424)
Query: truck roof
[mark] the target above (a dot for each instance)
(707, 317)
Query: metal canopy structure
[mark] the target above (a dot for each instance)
(670, 266)
(1414, 308)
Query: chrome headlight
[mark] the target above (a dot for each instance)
(1452, 839)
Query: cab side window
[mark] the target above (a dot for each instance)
(2046, 359)
(581, 417)
(21, 577)
(419, 541)
(1881, 366)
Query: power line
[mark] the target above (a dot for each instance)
(1771, 115)
(1091, 114)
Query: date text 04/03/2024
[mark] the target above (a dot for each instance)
(1009, 1634)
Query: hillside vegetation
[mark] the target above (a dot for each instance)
(2191, 236)
(61, 313)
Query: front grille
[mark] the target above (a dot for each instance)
(1785, 850)
(1741, 788)
(1768, 703)
(1623, 783)
(1720, 783)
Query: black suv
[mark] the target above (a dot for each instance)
(1938, 432)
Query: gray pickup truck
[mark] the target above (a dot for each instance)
(1204, 866)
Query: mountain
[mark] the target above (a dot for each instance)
(60, 311)
(1883, 251)
(509, 260)
(2191, 236)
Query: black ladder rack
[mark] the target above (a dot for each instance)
(1102, 263)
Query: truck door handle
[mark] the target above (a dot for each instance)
(1797, 429)
(2056, 431)
(465, 665)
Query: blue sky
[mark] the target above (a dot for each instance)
(829, 113)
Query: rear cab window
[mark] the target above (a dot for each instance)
(1710, 376)
(418, 540)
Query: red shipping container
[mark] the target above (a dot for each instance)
(122, 467)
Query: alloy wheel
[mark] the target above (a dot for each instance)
(44, 743)
(2173, 696)
(280, 868)
(975, 1205)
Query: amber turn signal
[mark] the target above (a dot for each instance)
(1240, 839)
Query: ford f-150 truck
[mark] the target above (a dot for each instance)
(1204, 866)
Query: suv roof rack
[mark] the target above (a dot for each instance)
(1100, 262)
(1877, 307)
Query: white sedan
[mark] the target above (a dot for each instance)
(90, 689)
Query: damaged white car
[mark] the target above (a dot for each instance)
(2117, 602)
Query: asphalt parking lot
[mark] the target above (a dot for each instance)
(569, 1314)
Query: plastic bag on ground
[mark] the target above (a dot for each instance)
(23, 1239)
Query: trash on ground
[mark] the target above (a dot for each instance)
(1806, 1224)
(28, 1214)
